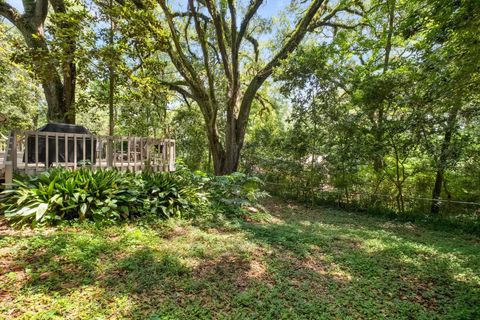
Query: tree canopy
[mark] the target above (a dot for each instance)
(377, 96)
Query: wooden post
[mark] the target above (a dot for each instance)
(74, 152)
(172, 156)
(36, 153)
(114, 152)
(92, 151)
(128, 153)
(57, 151)
(10, 160)
(134, 154)
(26, 152)
(84, 151)
(141, 154)
(165, 156)
(109, 152)
(155, 156)
(65, 156)
(121, 153)
(147, 150)
(46, 152)
(8, 174)
(14, 151)
(100, 151)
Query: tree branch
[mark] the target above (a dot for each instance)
(252, 9)
(138, 3)
(220, 33)
(203, 44)
(254, 43)
(233, 25)
(180, 57)
(10, 13)
(325, 21)
(337, 25)
(215, 52)
(58, 6)
(293, 41)
(41, 10)
(178, 87)
(190, 14)
(187, 41)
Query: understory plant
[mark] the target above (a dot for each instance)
(170, 194)
(236, 192)
(61, 194)
(111, 195)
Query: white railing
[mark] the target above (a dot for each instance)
(3, 143)
(32, 152)
(3, 148)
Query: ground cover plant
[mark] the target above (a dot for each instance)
(368, 107)
(108, 196)
(302, 264)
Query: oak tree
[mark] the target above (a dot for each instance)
(57, 74)
(219, 64)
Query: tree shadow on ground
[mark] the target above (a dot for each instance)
(388, 268)
(348, 225)
(301, 266)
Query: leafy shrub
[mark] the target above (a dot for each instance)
(102, 195)
(236, 191)
(64, 195)
(111, 195)
(169, 194)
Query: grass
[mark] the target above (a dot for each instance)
(302, 264)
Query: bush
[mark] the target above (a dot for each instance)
(235, 192)
(64, 195)
(102, 195)
(111, 195)
(170, 194)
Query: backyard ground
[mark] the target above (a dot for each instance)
(302, 264)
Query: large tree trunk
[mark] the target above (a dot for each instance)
(233, 145)
(225, 160)
(69, 80)
(437, 189)
(443, 160)
(198, 75)
(60, 98)
(217, 151)
(60, 95)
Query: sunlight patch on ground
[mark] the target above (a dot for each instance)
(307, 262)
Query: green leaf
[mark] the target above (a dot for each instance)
(83, 209)
(41, 209)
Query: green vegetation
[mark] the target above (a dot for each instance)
(384, 114)
(109, 195)
(374, 100)
(301, 264)
(370, 107)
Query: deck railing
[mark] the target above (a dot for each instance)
(3, 149)
(31, 152)
(3, 144)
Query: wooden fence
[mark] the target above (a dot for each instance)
(31, 152)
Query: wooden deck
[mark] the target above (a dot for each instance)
(3, 148)
(32, 152)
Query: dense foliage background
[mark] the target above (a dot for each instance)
(377, 108)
